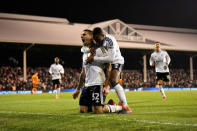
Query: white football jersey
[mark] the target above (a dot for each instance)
(160, 59)
(56, 70)
(114, 54)
(94, 74)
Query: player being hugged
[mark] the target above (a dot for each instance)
(160, 60)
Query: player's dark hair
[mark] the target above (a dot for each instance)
(97, 31)
(157, 42)
(87, 30)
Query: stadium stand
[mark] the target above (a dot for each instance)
(11, 78)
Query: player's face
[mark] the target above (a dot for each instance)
(56, 60)
(99, 39)
(86, 37)
(157, 47)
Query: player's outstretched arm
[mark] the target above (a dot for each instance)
(80, 85)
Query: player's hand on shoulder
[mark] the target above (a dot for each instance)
(92, 50)
(90, 59)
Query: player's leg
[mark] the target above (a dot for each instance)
(167, 81)
(106, 109)
(57, 87)
(118, 88)
(98, 102)
(58, 90)
(54, 85)
(120, 79)
(97, 99)
(85, 101)
(114, 78)
(33, 89)
(36, 87)
(159, 79)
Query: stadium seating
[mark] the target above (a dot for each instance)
(11, 78)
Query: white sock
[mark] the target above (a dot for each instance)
(162, 91)
(121, 94)
(58, 91)
(114, 108)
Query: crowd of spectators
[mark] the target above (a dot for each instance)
(11, 78)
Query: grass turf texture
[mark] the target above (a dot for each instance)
(42, 112)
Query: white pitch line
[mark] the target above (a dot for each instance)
(156, 112)
(103, 115)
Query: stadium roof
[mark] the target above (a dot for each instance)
(47, 30)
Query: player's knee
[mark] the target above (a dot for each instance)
(167, 83)
(83, 109)
(105, 109)
(160, 82)
(113, 82)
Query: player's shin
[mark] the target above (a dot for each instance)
(112, 108)
(57, 93)
(121, 95)
(162, 91)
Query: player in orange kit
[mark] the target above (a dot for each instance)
(35, 83)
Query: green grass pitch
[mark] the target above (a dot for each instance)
(42, 112)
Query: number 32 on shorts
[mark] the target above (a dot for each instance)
(95, 97)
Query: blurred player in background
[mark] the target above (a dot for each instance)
(35, 81)
(160, 60)
(93, 73)
(117, 61)
(56, 70)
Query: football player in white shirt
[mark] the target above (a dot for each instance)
(56, 70)
(115, 58)
(160, 59)
(92, 94)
